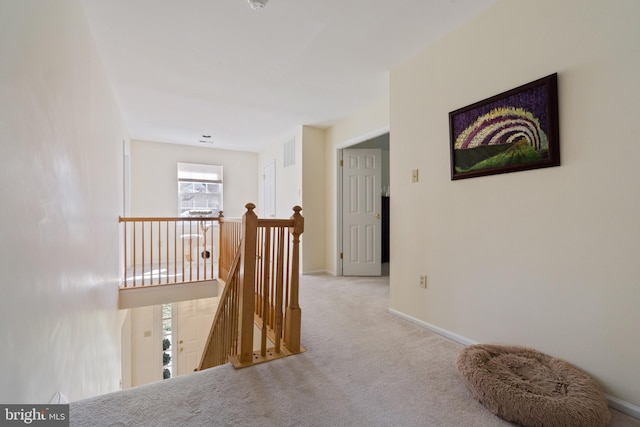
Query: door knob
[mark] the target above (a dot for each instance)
(377, 216)
(181, 348)
(181, 341)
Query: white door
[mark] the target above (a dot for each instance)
(361, 223)
(269, 180)
(192, 326)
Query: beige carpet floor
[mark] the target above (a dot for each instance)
(363, 367)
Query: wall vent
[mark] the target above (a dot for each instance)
(289, 153)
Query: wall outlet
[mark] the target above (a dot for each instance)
(423, 281)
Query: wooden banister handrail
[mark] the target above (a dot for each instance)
(167, 218)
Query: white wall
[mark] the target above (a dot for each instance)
(288, 179)
(61, 138)
(368, 123)
(300, 184)
(547, 258)
(154, 185)
(313, 199)
(146, 344)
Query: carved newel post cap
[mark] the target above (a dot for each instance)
(250, 206)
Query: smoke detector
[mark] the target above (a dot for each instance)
(257, 4)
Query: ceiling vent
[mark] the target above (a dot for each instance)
(206, 139)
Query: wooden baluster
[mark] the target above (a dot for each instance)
(197, 252)
(182, 253)
(247, 276)
(143, 268)
(258, 289)
(272, 280)
(293, 316)
(266, 244)
(151, 253)
(159, 253)
(222, 249)
(213, 250)
(234, 314)
(134, 248)
(190, 251)
(279, 290)
(175, 251)
(125, 252)
(287, 270)
(221, 246)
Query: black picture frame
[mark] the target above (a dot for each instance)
(513, 131)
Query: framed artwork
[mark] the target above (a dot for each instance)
(513, 131)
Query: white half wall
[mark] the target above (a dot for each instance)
(154, 184)
(546, 258)
(61, 136)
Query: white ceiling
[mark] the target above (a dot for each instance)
(186, 68)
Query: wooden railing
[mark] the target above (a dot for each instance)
(171, 250)
(261, 289)
(230, 236)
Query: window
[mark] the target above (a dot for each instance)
(199, 189)
(167, 339)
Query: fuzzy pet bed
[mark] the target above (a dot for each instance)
(529, 388)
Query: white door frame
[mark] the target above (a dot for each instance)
(339, 148)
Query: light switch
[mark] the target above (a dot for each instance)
(414, 175)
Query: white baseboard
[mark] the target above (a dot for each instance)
(316, 272)
(615, 403)
(622, 406)
(447, 334)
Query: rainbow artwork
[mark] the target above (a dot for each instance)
(509, 132)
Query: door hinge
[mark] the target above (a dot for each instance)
(341, 162)
(341, 255)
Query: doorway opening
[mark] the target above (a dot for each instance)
(363, 207)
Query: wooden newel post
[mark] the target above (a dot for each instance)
(247, 281)
(293, 316)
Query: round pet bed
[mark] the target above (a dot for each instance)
(529, 388)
